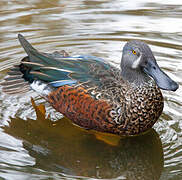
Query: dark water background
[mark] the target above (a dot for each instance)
(33, 149)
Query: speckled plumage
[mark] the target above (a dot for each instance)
(122, 109)
(93, 93)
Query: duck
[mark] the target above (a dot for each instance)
(93, 93)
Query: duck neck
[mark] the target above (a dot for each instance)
(137, 77)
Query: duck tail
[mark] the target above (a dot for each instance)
(17, 80)
(20, 79)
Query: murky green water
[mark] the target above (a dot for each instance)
(32, 149)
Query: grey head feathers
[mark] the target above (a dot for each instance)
(133, 55)
(138, 66)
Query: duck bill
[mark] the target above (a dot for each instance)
(162, 80)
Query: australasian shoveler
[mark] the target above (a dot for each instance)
(93, 93)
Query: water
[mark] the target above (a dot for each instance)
(35, 149)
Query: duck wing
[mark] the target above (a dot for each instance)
(58, 69)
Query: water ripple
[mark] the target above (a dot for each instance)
(98, 28)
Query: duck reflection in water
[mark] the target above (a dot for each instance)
(64, 148)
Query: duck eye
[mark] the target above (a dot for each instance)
(134, 52)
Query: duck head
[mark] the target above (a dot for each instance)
(138, 65)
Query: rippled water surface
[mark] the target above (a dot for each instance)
(34, 149)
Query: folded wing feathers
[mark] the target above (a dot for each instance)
(62, 83)
(67, 66)
(42, 76)
(56, 69)
(32, 64)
